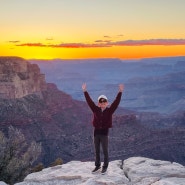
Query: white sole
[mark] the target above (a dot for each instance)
(104, 173)
(96, 171)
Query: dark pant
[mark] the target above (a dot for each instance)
(103, 141)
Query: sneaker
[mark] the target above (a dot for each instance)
(96, 169)
(104, 170)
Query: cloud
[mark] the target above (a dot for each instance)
(106, 36)
(14, 41)
(32, 44)
(165, 42)
(101, 41)
(120, 35)
(108, 43)
(115, 36)
(78, 45)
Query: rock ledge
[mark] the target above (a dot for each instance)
(133, 171)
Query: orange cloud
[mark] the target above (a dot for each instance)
(108, 43)
(79, 45)
(32, 45)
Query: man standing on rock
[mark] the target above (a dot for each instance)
(102, 121)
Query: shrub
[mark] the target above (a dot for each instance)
(39, 167)
(16, 156)
(58, 161)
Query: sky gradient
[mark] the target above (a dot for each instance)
(72, 29)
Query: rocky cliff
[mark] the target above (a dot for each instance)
(132, 171)
(19, 78)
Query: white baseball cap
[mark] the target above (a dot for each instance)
(102, 97)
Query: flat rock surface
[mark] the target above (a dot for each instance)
(133, 171)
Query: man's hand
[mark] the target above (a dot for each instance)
(121, 87)
(84, 87)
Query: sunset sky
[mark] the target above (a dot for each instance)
(72, 29)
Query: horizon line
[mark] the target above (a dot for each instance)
(99, 58)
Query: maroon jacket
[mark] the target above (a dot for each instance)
(102, 119)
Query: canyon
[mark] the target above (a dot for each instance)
(63, 126)
(151, 84)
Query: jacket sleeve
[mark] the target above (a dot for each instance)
(116, 102)
(89, 101)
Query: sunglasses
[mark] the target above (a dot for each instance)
(102, 101)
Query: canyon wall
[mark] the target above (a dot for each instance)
(19, 78)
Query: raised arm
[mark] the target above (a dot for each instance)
(117, 100)
(88, 98)
(121, 87)
(84, 87)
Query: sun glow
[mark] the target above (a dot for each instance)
(92, 29)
